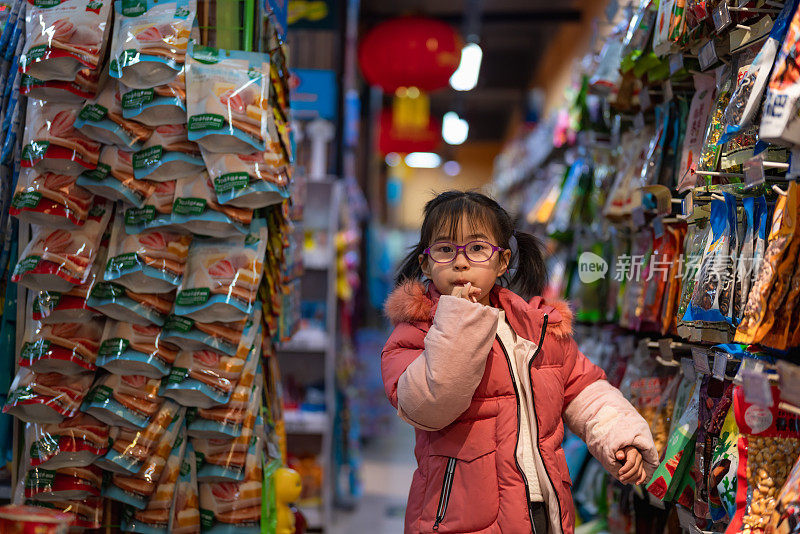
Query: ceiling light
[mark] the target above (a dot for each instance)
(423, 160)
(451, 168)
(393, 159)
(454, 128)
(466, 75)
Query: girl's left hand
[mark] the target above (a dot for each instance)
(632, 470)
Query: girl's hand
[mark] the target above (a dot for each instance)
(467, 292)
(632, 470)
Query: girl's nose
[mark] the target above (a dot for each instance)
(461, 262)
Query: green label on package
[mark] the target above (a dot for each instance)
(123, 262)
(93, 112)
(206, 121)
(29, 199)
(231, 181)
(193, 297)
(181, 324)
(135, 216)
(137, 98)
(113, 346)
(189, 206)
(147, 157)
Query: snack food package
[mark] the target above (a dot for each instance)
(53, 144)
(715, 402)
(84, 86)
(168, 155)
(156, 212)
(228, 338)
(234, 507)
(88, 512)
(130, 349)
(787, 511)
(50, 199)
(74, 442)
(58, 260)
(696, 122)
(227, 99)
(113, 178)
(185, 517)
(250, 181)
(223, 460)
(150, 40)
(779, 124)
(50, 307)
(196, 209)
(222, 277)
(769, 443)
(67, 483)
(121, 304)
(103, 121)
(46, 397)
(157, 106)
(724, 463)
(710, 152)
(150, 262)
(746, 267)
(699, 232)
(124, 401)
(64, 348)
(64, 37)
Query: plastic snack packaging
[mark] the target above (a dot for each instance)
(149, 262)
(168, 155)
(46, 397)
(196, 210)
(715, 402)
(222, 277)
(157, 106)
(228, 338)
(53, 144)
(769, 443)
(785, 518)
(88, 512)
(64, 348)
(699, 232)
(156, 212)
(76, 92)
(250, 181)
(150, 40)
(75, 442)
(755, 209)
(710, 152)
(779, 124)
(130, 349)
(185, 518)
(235, 505)
(50, 199)
(124, 401)
(724, 463)
(113, 178)
(227, 99)
(102, 120)
(67, 483)
(223, 460)
(58, 260)
(121, 304)
(696, 122)
(64, 37)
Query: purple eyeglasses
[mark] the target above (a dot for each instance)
(474, 251)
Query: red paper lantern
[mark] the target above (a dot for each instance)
(406, 140)
(410, 52)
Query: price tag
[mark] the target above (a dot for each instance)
(707, 55)
(756, 388)
(668, 90)
(658, 227)
(665, 347)
(753, 172)
(638, 217)
(721, 16)
(720, 362)
(687, 365)
(675, 63)
(687, 205)
(700, 357)
(644, 99)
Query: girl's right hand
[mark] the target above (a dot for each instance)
(467, 292)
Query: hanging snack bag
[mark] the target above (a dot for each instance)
(222, 277)
(156, 212)
(250, 181)
(234, 506)
(67, 483)
(46, 397)
(152, 261)
(196, 210)
(65, 348)
(227, 98)
(745, 262)
(696, 122)
(786, 516)
(150, 40)
(157, 106)
(75, 442)
(223, 460)
(185, 517)
(228, 338)
(124, 401)
(709, 154)
(58, 260)
(50, 199)
(779, 124)
(64, 37)
(53, 144)
(88, 512)
(76, 92)
(113, 178)
(168, 155)
(102, 120)
(131, 349)
(121, 304)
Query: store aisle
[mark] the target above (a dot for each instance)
(388, 464)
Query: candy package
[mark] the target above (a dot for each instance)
(228, 99)
(786, 516)
(150, 40)
(84, 86)
(113, 178)
(185, 517)
(196, 209)
(779, 124)
(228, 338)
(67, 483)
(102, 120)
(250, 181)
(168, 155)
(65, 348)
(64, 37)
(222, 277)
(131, 349)
(124, 401)
(223, 460)
(46, 397)
(157, 106)
(75, 442)
(88, 512)
(156, 212)
(50, 199)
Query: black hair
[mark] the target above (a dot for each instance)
(445, 211)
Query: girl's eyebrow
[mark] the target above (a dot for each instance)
(471, 236)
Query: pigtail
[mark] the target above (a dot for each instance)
(529, 276)
(410, 269)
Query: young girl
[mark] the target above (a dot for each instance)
(486, 377)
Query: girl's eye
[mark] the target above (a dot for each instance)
(445, 248)
(477, 247)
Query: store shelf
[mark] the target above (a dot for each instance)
(305, 422)
(319, 260)
(305, 344)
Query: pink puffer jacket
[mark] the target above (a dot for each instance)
(449, 376)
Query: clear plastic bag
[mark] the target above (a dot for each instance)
(50, 199)
(102, 120)
(249, 181)
(130, 349)
(113, 178)
(75, 442)
(124, 401)
(65, 348)
(46, 397)
(196, 210)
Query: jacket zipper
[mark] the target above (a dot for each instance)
(444, 497)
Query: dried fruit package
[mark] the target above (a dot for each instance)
(786, 516)
(64, 37)
(769, 443)
(113, 178)
(249, 181)
(142, 309)
(227, 98)
(168, 155)
(85, 86)
(779, 124)
(724, 463)
(156, 212)
(149, 262)
(223, 460)
(751, 252)
(53, 144)
(196, 210)
(235, 505)
(64, 348)
(50, 199)
(130, 349)
(67, 483)
(46, 397)
(222, 277)
(185, 517)
(58, 260)
(228, 338)
(124, 401)
(88, 512)
(102, 120)
(150, 40)
(75, 442)
(696, 122)
(709, 154)
(157, 106)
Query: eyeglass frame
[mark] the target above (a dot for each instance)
(459, 248)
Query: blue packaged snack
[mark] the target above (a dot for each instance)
(168, 155)
(223, 460)
(102, 121)
(252, 180)
(157, 106)
(122, 304)
(113, 178)
(132, 349)
(196, 210)
(227, 338)
(123, 401)
(155, 212)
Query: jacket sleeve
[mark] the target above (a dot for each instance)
(431, 383)
(598, 413)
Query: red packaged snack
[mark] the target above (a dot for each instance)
(50, 199)
(66, 348)
(67, 483)
(75, 442)
(46, 397)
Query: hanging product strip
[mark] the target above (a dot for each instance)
(156, 177)
(667, 192)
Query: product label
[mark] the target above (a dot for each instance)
(177, 375)
(136, 216)
(99, 174)
(137, 98)
(181, 324)
(107, 290)
(206, 519)
(93, 112)
(34, 351)
(189, 206)
(193, 297)
(99, 394)
(25, 200)
(134, 8)
(231, 181)
(35, 150)
(205, 54)
(28, 264)
(123, 262)
(206, 121)
(113, 346)
(147, 157)
(46, 4)
(35, 53)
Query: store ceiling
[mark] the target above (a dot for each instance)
(513, 35)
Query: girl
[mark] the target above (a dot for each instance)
(486, 377)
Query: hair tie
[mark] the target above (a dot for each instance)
(512, 242)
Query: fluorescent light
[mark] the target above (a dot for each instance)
(423, 160)
(466, 75)
(393, 159)
(451, 168)
(454, 128)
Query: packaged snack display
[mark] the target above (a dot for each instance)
(228, 338)
(223, 460)
(55, 200)
(235, 505)
(715, 402)
(88, 512)
(778, 122)
(157, 106)
(196, 209)
(65, 348)
(251, 181)
(64, 37)
(696, 123)
(75, 92)
(227, 99)
(142, 309)
(709, 155)
(185, 517)
(67, 483)
(102, 120)
(124, 401)
(75, 442)
(156, 212)
(222, 277)
(724, 463)
(131, 349)
(113, 178)
(785, 518)
(46, 397)
(168, 155)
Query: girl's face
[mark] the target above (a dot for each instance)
(459, 272)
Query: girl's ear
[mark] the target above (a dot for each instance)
(424, 265)
(502, 265)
